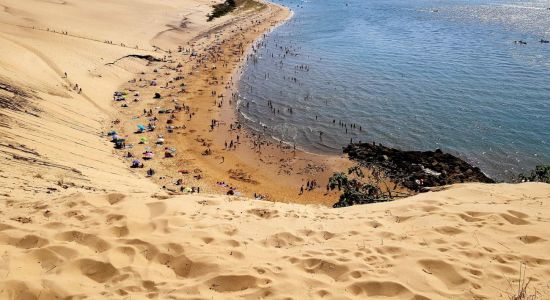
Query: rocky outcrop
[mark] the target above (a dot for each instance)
(416, 170)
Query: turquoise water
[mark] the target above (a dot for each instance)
(413, 74)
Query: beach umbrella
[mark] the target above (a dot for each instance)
(141, 127)
(143, 140)
(112, 132)
(148, 155)
(160, 141)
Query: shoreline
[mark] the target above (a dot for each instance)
(239, 70)
(498, 155)
(221, 153)
(257, 166)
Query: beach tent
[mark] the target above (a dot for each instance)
(141, 128)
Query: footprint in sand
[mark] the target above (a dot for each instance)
(232, 283)
(96, 270)
(282, 239)
(444, 272)
(530, 239)
(95, 243)
(115, 198)
(24, 242)
(383, 289)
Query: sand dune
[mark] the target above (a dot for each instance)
(40, 41)
(463, 243)
(76, 223)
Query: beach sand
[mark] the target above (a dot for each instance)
(53, 133)
(467, 242)
(77, 222)
(257, 165)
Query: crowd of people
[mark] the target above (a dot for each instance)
(160, 116)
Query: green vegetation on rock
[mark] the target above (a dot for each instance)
(355, 191)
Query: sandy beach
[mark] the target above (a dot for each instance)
(76, 221)
(202, 77)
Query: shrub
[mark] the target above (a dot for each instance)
(354, 190)
(222, 9)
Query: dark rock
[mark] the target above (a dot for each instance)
(416, 170)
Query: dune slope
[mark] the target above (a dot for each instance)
(463, 243)
(56, 80)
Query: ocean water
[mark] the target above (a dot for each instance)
(413, 74)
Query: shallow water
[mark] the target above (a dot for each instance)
(413, 74)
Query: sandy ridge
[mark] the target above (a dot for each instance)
(464, 243)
